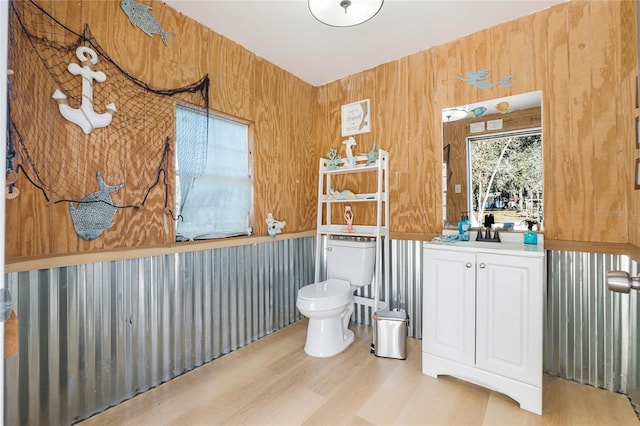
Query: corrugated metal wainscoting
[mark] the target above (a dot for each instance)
(405, 288)
(91, 336)
(592, 335)
(94, 335)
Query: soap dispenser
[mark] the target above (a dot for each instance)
(530, 237)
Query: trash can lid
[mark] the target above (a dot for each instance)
(386, 314)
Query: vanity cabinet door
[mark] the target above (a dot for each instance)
(509, 316)
(449, 305)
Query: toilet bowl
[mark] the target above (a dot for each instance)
(329, 304)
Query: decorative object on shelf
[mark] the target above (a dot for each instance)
(355, 118)
(140, 16)
(334, 159)
(503, 107)
(274, 226)
(372, 156)
(85, 116)
(476, 78)
(350, 161)
(348, 217)
(342, 195)
(344, 13)
(95, 212)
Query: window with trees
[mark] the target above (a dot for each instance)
(505, 172)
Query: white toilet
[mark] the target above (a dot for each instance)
(329, 304)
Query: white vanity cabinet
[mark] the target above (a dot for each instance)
(482, 313)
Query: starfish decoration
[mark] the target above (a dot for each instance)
(372, 156)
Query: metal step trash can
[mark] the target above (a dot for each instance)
(390, 333)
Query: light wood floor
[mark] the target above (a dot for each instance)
(273, 382)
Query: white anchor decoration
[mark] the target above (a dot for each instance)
(85, 116)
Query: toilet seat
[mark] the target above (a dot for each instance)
(327, 294)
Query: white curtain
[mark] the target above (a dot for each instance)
(214, 199)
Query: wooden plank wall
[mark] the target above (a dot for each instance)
(278, 106)
(580, 55)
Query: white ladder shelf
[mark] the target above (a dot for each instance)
(378, 230)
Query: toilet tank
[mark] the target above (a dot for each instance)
(351, 260)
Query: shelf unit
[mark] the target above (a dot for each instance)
(378, 230)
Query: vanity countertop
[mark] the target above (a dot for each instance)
(511, 244)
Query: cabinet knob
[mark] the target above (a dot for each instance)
(482, 266)
(468, 265)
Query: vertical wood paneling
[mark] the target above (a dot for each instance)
(501, 47)
(574, 52)
(581, 140)
(627, 39)
(425, 115)
(240, 83)
(556, 118)
(521, 56)
(608, 123)
(283, 169)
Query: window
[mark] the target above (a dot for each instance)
(213, 180)
(505, 172)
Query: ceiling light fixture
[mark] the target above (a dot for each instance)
(344, 13)
(454, 114)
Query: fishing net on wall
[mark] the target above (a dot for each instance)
(55, 154)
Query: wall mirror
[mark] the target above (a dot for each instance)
(492, 162)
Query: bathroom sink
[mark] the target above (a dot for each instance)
(511, 242)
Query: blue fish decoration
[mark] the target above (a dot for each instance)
(95, 212)
(476, 78)
(372, 156)
(140, 15)
(478, 111)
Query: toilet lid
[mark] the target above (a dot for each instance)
(325, 290)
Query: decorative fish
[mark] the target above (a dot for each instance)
(503, 107)
(372, 156)
(478, 111)
(475, 78)
(95, 212)
(140, 15)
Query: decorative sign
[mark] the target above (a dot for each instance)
(356, 118)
